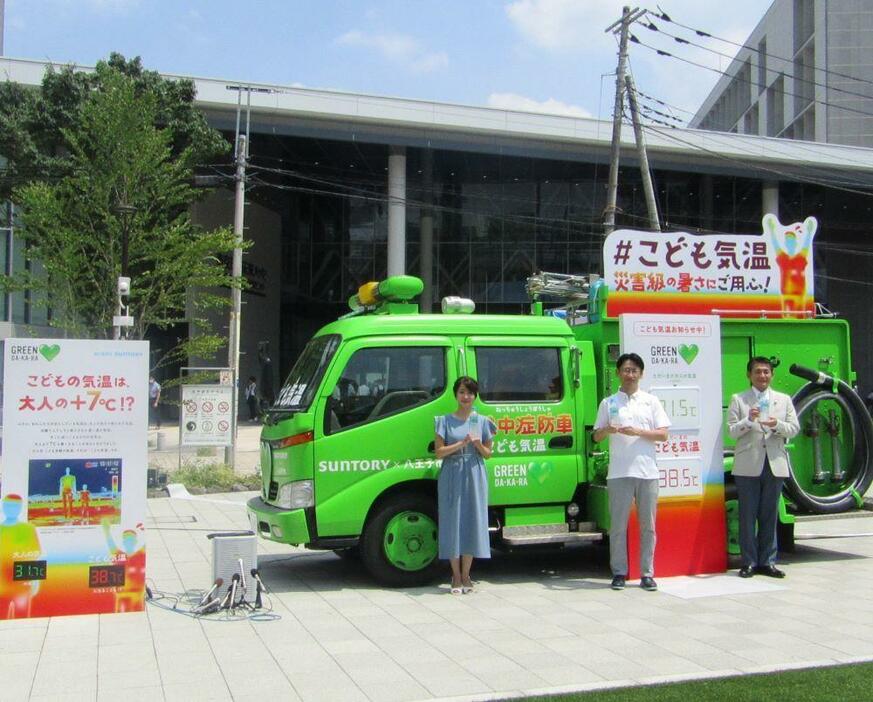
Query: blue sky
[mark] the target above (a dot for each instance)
(543, 55)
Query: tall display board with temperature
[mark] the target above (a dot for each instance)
(682, 354)
(75, 420)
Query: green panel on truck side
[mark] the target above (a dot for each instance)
(529, 516)
(598, 506)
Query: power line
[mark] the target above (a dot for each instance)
(699, 32)
(661, 102)
(788, 176)
(651, 26)
(634, 39)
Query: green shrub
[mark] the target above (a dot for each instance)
(213, 476)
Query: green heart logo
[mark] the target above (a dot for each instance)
(688, 352)
(49, 352)
(540, 471)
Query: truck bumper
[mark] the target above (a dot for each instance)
(287, 526)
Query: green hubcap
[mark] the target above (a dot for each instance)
(410, 540)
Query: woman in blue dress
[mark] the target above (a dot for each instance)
(463, 485)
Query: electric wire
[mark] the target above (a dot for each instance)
(828, 177)
(189, 600)
(661, 52)
(701, 33)
(553, 224)
(680, 40)
(766, 169)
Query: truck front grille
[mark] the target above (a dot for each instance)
(274, 490)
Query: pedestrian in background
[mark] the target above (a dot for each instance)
(463, 440)
(154, 400)
(252, 399)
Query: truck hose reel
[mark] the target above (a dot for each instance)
(825, 387)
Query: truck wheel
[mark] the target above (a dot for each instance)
(399, 544)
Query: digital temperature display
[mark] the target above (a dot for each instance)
(28, 570)
(682, 405)
(106, 576)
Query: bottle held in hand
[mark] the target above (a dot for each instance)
(614, 420)
(764, 409)
(475, 423)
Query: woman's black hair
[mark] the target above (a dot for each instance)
(468, 383)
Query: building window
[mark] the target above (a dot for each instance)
(382, 381)
(804, 78)
(804, 22)
(750, 120)
(762, 64)
(519, 374)
(776, 106)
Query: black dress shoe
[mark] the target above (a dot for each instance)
(770, 571)
(746, 572)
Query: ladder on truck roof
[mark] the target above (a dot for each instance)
(575, 293)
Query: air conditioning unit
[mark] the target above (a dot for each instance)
(235, 552)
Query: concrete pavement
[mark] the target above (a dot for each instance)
(536, 624)
(164, 449)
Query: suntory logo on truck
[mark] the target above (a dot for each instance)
(375, 464)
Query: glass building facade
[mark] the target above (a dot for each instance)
(498, 218)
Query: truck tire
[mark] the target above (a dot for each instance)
(399, 545)
(822, 387)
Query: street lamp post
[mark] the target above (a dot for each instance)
(124, 211)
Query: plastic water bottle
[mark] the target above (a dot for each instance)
(612, 404)
(764, 408)
(475, 426)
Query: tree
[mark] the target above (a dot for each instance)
(95, 159)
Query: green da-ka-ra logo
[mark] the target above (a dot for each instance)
(522, 474)
(689, 352)
(49, 351)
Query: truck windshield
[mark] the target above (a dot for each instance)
(305, 377)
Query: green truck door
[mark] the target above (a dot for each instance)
(375, 423)
(526, 388)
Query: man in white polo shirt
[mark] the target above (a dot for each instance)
(634, 421)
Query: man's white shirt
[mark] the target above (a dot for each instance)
(633, 456)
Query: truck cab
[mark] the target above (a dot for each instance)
(347, 451)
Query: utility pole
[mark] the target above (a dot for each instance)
(648, 188)
(622, 27)
(236, 290)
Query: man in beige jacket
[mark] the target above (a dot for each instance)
(761, 420)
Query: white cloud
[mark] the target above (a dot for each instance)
(559, 28)
(512, 101)
(430, 62)
(398, 48)
(563, 24)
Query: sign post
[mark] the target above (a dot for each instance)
(206, 411)
(75, 421)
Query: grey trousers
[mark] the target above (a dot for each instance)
(622, 493)
(759, 503)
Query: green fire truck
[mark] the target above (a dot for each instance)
(347, 450)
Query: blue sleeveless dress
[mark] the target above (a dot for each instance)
(463, 493)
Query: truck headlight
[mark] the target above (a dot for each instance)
(296, 495)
